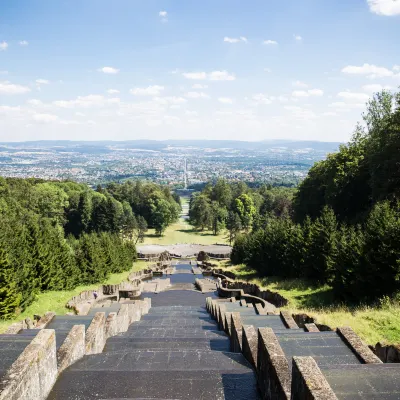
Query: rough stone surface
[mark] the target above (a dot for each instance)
(288, 320)
(261, 310)
(95, 335)
(272, 367)
(243, 303)
(33, 374)
(311, 328)
(236, 332)
(250, 344)
(111, 328)
(15, 328)
(228, 322)
(45, 320)
(360, 349)
(308, 382)
(221, 319)
(72, 349)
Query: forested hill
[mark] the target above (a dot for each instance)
(345, 226)
(56, 235)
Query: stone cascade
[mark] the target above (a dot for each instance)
(303, 364)
(32, 359)
(176, 352)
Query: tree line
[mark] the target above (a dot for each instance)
(344, 228)
(57, 235)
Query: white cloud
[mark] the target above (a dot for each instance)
(225, 100)
(235, 40)
(197, 95)
(384, 7)
(261, 99)
(35, 103)
(153, 90)
(109, 70)
(91, 100)
(212, 76)
(341, 105)
(42, 81)
(298, 38)
(199, 86)
(369, 70)
(163, 15)
(23, 43)
(329, 114)
(170, 100)
(373, 88)
(351, 96)
(299, 84)
(270, 42)
(396, 68)
(3, 46)
(112, 91)
(79, 114)
(10, 88)
(45, 118)
(307, 93)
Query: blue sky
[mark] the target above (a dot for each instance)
(246, 70)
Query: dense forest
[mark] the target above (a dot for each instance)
(56, 235)
(343, 226)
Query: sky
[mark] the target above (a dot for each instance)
(185, 69)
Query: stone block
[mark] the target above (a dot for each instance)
(272, 367)
(359, 348)
(34, 372)
(243, 303)
(250, 344)
(308, 382)
(288, 320)
(228, 320)
(45, 320)
(311, 328)
(123, 318)
(221, 319)
(95, 335)
(72, 349)
(260, 309)
(15, 328)
(236, 332)
(111, 325)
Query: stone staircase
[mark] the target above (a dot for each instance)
(174, 352)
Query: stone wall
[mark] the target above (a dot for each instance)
(72, 349)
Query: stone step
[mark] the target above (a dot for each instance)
(263, 321)
(366, 381)
(67, 322)
(172, 322)
(173, 333)
(172, 385)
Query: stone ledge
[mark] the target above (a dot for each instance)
(45, 320)
(308, 382)
(34, 372)
(250, 344)
(228, 322)
(361, 350)
(72, 349)
(272, 367)
(221, 319)
(111, 328)
(311, 328)
(95, 334)
(236, 332)
(288, 320)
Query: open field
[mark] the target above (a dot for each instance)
(379, 323)
(56, 300)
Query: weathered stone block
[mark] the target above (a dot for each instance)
(228, 320)
(111, 325)
(221, 319)
(359, 348)
(34, 372)
(272, 367)
(95, 335)
(311, 328)
(288, 320)
(72, 349)
(236, 332)
(260, 309)
(250, 344)
(308, 382)
(45, 320)
(123, 318)
(243, 303)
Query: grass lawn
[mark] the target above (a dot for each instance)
(182, 232)
(380, 323)
(56, 300)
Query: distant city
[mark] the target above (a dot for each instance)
(177, 163)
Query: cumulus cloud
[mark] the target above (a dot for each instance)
(384, 7)
(212, 76)
(307, 93)
(23, 43)
(91, 100)
(199, 86)
(42, 81)
(197, 95)
(153, 90)
(168, 100)
(270, 42)
(352, 96)
(261, 99)
(225, 100)
(369, 70)
(298, 38)
(10, 88)
(235, 40)
(3, 46)
(45, 118)
(373, 88)
(109, 70)
(163, 15)
(112, 91)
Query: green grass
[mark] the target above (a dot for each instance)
(56, 300)
(379, 323)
